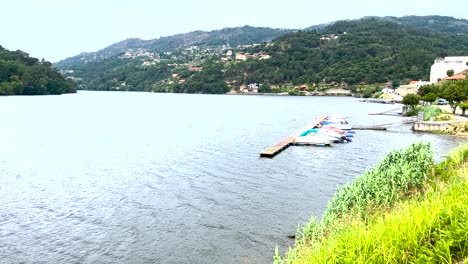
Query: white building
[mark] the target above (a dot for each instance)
(441, 66)
(253, 87)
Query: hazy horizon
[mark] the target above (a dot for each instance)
(55, 29)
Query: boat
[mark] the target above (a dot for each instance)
(314, 139)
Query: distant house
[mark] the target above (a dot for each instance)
(253, 87)
(404, 90)
(196, 68)
(329, 37)
(241, 56)
(388, 90)
(411, 88)
(458, 76)
(244, 56)
(303, 87)
(264, 57)
(175, 75)
(182, 81)
(229, 53)
(441, 66)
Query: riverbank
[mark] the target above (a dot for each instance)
(453, 124)
(407, 209)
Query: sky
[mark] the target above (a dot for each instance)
(58, 29)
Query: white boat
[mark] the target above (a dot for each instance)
(330, 133)
(313, 139)
(339, 125)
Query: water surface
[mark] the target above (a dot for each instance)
(120, 177)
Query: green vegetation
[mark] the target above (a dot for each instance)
(407, 209)
(368, 51)
(365, 51)
(429, 98)
(24, 75)
(463, 106)
(429, 113)
(411, 100)
(455, 92)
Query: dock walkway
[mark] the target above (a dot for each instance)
(286, 142)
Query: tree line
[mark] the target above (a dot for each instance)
(21, 74)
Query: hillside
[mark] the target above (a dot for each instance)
(432, 23)
(352, 52)
(227, 36)
(370, 50)
(24, 75)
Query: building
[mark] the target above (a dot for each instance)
(458, 76)
(411, 88)
(196, 68)
(388, 90)
(253, 87)
(441, 66)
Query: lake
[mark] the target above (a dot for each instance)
(122, 177)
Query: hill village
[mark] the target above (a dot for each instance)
(194, 54)
(439, 72)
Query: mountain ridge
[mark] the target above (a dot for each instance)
(367, 50)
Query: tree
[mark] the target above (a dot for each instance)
(411, 100)
(454, 93)
(395, 83)
(463, 106)
(426, 89)
(264, 88)
(430, 97)
(450, 73)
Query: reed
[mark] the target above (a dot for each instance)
(422, 218)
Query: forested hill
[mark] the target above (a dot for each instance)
(433, 23)
(24, 75)
(227, 36)
(364, 51)
(370, 50)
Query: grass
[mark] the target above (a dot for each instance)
(423, 219)
(429, 112)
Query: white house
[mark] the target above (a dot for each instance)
(441, 66)
(253, 87)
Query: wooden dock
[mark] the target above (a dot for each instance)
(369, 128)
(388, 112)
(286, 142)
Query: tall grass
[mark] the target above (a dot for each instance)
(399, 174)
(429, 111)
(422, 219)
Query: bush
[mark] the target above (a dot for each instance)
(431, 111)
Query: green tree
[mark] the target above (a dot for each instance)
(430, 97)
(431, 88)
(264, 88)
(395, 83)
(450, 73)
(411, 100)
(454, 93)
(463, 107)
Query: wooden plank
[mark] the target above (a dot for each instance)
(280, 146)
(369, 128)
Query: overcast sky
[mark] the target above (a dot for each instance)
(57, 29)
